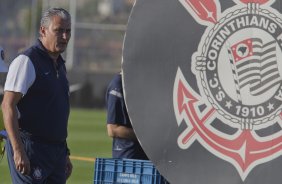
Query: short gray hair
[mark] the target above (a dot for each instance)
(47, 16)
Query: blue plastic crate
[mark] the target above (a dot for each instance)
(126, 171)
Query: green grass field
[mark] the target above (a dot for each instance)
(87, 139)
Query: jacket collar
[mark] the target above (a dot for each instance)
(38, 44)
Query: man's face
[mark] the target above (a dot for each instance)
(56, 37)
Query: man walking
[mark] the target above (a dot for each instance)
(36, 106)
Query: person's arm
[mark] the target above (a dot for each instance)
(119, 131)
(10, 117)
(68, 164)
(68, 167)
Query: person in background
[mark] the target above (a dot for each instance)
(125, 143)
(3, 71)
(36, 106)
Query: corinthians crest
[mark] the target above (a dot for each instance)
(238, 114)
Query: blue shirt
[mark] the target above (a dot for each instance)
(44, 108)
(117, 114)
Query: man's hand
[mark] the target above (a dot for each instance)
(68, 167)
(22, 162)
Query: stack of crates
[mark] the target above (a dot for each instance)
(126, 171)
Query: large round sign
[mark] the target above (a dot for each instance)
(202, 81)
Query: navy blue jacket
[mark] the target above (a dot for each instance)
(45, 108)
(117, 114)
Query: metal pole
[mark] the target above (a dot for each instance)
(70, 49)
(33, 27)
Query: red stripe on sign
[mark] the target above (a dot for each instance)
(254, 1)
(205, 9)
